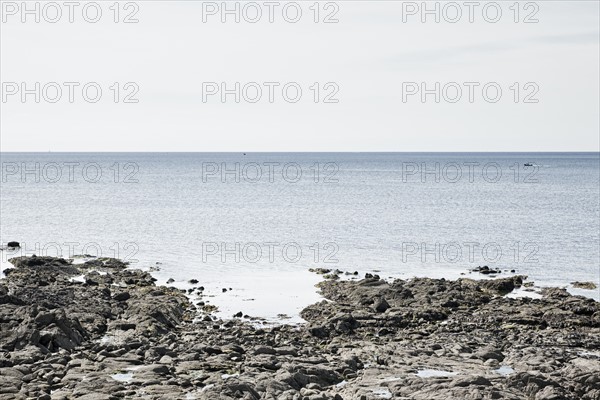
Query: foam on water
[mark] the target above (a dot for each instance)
(523, 292)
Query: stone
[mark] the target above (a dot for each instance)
(420, 338)
(381, 305)
(584, 285)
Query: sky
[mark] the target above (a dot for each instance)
(364, 77)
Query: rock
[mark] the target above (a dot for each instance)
(13, 245)
(584, 285)
(319, 331)
(122, 296)
(381, 305)
(489, 354)
(502, 286)
(476, 380)
(485, 270)
(49, 262)
(165, 360)
(44, 319)
(550, 393)
(320, 271)
(264, 350)
(368, 339)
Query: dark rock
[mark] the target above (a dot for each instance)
(68, 338)
(502, 286)
(381, 305)
(122, 296)
(470, 381)
(584, 285)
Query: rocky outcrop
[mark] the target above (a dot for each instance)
(101, 331)
(584, 285)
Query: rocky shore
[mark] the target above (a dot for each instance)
(98, 330)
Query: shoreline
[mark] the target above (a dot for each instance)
(112, 330)
(277, 298)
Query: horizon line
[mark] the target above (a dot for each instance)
(315, 152)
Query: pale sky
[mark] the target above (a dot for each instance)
(371, 55)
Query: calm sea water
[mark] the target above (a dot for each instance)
(258, 222)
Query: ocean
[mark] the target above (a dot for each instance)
(256, 223)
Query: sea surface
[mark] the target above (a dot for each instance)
(256, 223)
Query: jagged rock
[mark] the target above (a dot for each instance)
(381, 305)
(125, 337)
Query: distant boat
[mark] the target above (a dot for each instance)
(528, 164)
